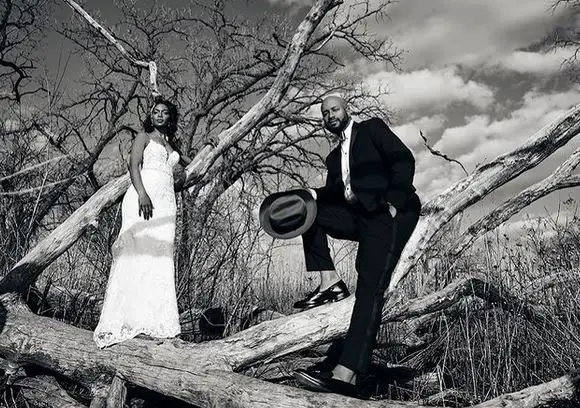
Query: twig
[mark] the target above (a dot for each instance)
(27, 169)
(42, 187)
(440, 154)
(326, 40)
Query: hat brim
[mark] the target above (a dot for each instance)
(311, 210)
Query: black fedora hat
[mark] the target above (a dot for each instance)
(287, 214)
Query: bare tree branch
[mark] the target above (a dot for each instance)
(441, 154)
(151, 66)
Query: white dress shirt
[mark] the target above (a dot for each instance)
(345, 162)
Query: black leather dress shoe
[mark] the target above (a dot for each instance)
(323, 382)
(320, 367)
(336, 292)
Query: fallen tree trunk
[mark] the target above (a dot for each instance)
(459, 290)
(564, 388)
(270, 340)
(198, 374)
(193, 372)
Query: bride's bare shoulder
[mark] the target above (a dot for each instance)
(142, 137)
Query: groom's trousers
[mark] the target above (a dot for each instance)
(381, 239)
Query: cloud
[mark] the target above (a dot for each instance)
(438, 33)
(451, 32)
(482, 136)
(459, 140)
(434, 174)
(409, 132)
(431, 90)
(536, 63)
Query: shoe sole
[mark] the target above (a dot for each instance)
(314, 384)
(324, 303)
(309, 382)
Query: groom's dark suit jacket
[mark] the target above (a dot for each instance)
(381, 169)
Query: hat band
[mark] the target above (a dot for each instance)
(287, 223)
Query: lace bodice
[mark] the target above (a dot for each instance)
(155, 157)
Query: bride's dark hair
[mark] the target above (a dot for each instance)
(171, 126)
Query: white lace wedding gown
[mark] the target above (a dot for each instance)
(140, 295)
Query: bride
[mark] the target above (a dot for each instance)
(140, 296)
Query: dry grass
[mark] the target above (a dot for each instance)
(486, 350)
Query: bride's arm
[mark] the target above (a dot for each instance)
(135, 162)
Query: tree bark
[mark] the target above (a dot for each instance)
(117, 393)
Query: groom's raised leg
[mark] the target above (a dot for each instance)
(339, 222)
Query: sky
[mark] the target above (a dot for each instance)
(474, 77)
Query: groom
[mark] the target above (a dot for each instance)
(368, 197)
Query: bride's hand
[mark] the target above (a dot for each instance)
(145, 206)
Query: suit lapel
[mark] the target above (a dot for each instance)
(334, 159)
(353, 134)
